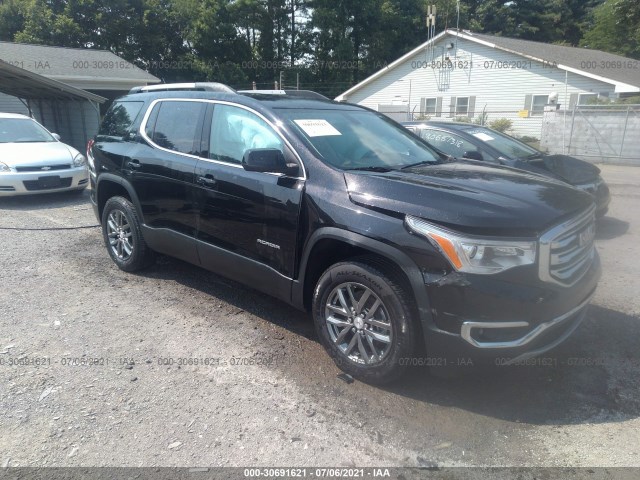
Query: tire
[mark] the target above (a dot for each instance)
(123, 236)
(390, 330)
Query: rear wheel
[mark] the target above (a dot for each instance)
(123, 236)
(364, 319)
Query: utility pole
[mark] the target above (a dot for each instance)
(293, 32)
(281, 80)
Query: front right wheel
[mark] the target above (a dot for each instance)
(364, 320)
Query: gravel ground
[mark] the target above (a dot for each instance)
(104, 385)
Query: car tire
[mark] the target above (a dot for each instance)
(123, 236)
(390, 331)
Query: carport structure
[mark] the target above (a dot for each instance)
(72, 113)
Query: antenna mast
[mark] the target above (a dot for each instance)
(431, 27)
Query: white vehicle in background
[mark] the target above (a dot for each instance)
(33, 160)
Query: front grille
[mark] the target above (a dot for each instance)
(40, 168)
(7, 189)
(566, 251)
(33, 185)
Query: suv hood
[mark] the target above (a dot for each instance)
(470, 197)
(36, 153)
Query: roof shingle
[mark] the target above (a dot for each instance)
(65, 62)
(595, 62)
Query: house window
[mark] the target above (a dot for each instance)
(430, 106)
(462, 106)
(538, 103)
(587, 98)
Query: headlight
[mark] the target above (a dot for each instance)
(473, 254)
(4, 167)
(79, 160)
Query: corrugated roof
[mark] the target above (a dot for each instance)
(72, 62)
(21, 83)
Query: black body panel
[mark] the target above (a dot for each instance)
(263, 229)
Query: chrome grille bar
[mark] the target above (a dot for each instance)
(567, 250)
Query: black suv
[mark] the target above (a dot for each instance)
(403, 256)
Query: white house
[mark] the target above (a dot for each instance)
(463, 74)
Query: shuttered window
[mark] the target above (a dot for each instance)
(462, 106)
(428, 106)
(587, 98)
(538, 103)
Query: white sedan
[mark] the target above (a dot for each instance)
(33, 160)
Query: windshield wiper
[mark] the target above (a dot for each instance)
(370, 169)
(426, 162)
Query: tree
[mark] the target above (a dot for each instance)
(616, 28)
(12, 18)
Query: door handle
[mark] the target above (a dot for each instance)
(206, 181)
(134, 164)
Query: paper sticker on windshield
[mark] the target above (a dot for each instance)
(317, 128)
(483, 136)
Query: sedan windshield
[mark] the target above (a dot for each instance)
(22, 130)
(360, 140)
(506, 145)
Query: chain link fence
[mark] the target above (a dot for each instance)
(596, 133)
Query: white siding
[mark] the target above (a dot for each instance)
(501, 92)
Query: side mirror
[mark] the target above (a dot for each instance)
(473, 155)
(56, 136)
(267, 160)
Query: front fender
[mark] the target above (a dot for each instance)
(401, 259)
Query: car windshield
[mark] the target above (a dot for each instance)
(506, 145)
(23, 130)
(360, 139)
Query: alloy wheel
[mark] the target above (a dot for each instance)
(120, 235)
(358, 323)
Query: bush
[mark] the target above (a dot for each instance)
(635, 100)
(462, 119)
(482, 119)
(501, 124)
(531, 141)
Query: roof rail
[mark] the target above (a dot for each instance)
(205, 86)
(306, 94)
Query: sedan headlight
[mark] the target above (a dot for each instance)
(4, 168)
(474, 254)
(79, 160)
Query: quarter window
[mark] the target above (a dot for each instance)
(119, 118)
(176, 127)
(235, 130)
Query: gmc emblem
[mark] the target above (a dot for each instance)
(586, 237)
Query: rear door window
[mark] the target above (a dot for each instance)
(119, 118)
(178, 126)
